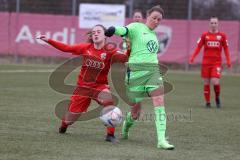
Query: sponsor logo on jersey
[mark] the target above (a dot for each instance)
(103, 55)
(152, 46)
(94, 64)
(213, 44)
(207, 37)
(219, 37)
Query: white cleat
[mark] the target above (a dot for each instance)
(165, 145)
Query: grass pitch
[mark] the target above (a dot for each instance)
(29, 127)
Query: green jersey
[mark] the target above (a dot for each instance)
(144, 42)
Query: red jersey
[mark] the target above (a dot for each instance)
(213, 44)
(96, 63)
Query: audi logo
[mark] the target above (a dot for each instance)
(94, 64)
(213, 44)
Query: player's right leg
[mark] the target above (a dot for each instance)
(205, 73)
(77, 105)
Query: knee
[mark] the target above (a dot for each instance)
(136, 111)
(158, 101)
(215, 81)
(105, 98)
(206, 81)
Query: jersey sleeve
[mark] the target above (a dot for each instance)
(126, 30)
(120, 56)
(226, 49)
(74, 49)
(200, 43)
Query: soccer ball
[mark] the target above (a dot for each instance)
(111, 116)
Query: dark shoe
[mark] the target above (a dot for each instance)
(218, 103)
(62, 129)
(208, 105)
(111, 138)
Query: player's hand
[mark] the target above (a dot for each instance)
(43, 38)
(110, 31)
(191, 60)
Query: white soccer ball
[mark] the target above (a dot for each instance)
(111, 116)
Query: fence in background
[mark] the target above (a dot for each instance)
(22, 19)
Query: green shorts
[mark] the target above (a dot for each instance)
(140, 83)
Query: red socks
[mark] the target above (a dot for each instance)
(217, 91)
(207, 93)
(110, 130)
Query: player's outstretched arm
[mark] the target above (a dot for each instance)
(119, 31)
(58, 45)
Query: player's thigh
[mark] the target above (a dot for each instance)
(215, 72)
(135, 94)
(206, 72)
(103, 95)
(79, 103)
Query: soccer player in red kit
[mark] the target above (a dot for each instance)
(213, 42)
(97, 59)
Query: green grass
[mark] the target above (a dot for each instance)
(28, 125)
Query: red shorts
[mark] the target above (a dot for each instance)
(211, 71)
(80, 102)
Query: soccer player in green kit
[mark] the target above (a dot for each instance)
(143, 76)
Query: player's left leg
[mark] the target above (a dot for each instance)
(78, 104)
(130, 119)
(135, 95)
(215, 80)
(104, 98)
(216, 85)
(157, 96)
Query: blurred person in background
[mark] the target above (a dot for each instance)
(213, 41)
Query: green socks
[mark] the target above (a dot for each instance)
(128, 122)
(160, 122)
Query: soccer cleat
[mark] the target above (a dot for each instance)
(208, 105)
(165, 145)
(111, 138)
(62, 129)
(127, 123)
(218, 103)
